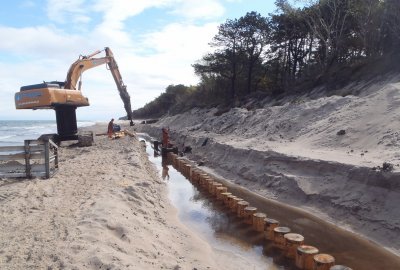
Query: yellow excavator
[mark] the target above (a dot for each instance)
(65, 97)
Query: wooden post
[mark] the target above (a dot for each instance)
(215, 185)
(47, 159)
(210, 186)
(207, 182)
(269, 226)
(279, 239)
(225, 196)
(221, 190)
(201, 178)
(186, 170)
(228, 199)
(258, 221)
(293, 241)
(249, 211)
(234, 204)
(192, 173)
(27, 159)
(304, 257)
(241, 205)
(323, 261)
(56, 158)
(182, 164)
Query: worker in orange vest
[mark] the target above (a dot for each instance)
(165, 137)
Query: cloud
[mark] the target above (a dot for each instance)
(42, 42)
(205, 9)
(58, 11)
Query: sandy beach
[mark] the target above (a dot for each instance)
(106, 208)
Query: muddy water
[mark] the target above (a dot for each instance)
(236, 244)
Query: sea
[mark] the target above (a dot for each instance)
(14, 132)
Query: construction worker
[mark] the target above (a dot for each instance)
(110, 128)
(165, 137)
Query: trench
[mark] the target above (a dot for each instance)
(235, 243)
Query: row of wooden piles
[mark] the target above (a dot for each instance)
(291, 244)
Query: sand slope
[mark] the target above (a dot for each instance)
(105, 209)
(292, 153)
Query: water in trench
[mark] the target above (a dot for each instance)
(236, 245)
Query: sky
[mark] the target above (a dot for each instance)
(155, 42)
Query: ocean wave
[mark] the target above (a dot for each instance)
(11, 143)
(41, 127)
(18, 131)
(5, 137)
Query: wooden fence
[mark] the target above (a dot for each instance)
(34, 159)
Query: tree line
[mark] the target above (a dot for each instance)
(285, 51)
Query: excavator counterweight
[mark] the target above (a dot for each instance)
(65, 97)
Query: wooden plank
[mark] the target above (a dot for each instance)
(11, 148)
(56, 158)
(27, 159)
(15, 175)
(39, 174)
(53, 144)
(12, 167)
(33, 148)
(12, 157)
(36, 148)
(12, 175)
(47, 159)
(21, 168)
(38, 168)
(37, 171)
(20, 156)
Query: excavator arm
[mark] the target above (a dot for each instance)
(123, 92)
(87, 62)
